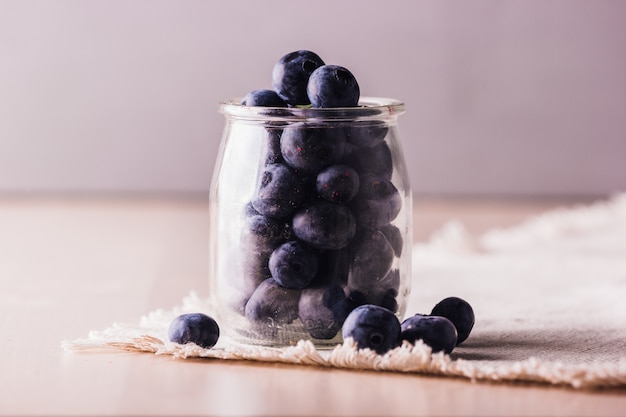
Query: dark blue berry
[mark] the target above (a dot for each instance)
(322, 310)
(291, 73)
(293, 264)
(279, 191)
(365, 133)
(372, 327)
(263, 98)
(377, 203)
(333, 86)
(195, 328)
(375, 160)
(337, 183)
(381, 293)
(459, 312)
(394, 236)
(271, 304)
(311, 147)
(271, 147)
(437, 332)
(324, 225)
(372, 257)
(260, 236)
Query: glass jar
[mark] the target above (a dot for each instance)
(311, 216)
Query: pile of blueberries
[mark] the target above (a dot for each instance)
(318, 239)
(369, 326)
(318, 242)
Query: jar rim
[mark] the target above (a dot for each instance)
(367, 108)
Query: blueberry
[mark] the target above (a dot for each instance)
(459, 312)
(377, 203)
(381, 293)
(293, 264)
(366, 134)
(291, 73)
(272, 305)
(260, 236)
(333, 86)
(394, 236)
(279, 191)
(437, 332)
(311, 147)
(195, 328)
(337, 183)
(372, 327)
(375, 160)
(323, 310)
(263, 98)
(324, 225)
(271, 147)
(372, 257)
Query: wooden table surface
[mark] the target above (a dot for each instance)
(69, 265)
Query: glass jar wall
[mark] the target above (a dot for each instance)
(311, 216)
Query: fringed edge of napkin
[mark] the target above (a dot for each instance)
(416, 359)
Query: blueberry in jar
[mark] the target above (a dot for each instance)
(271, 304)
(263, 98)
(365, 133)
(261, 235)
(293, 264)
(322, 310)
(377, 203)
(333, 86)
(310, 147)
(291, 73)
(372, 327)
(459, 312)
(437, 332)
(372, 258)
(279, 191)
(337, 183)
(195, 328)
(375, 160)
(324, 225)
(394, 236)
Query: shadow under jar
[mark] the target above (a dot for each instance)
(311, 216)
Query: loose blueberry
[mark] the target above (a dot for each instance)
(271, 305)
(293, 264)
(459, 312)
(437, 332)
(372, 327)
(323, 310)
(195, 328)
(324, 225)
(263, 98)
(337, 183)
(333, 86)
(377, 203)
(311, 147)
(279, 191)
(291, 73)
(375, 160)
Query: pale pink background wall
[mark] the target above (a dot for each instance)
(503, 97)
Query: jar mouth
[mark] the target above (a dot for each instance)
(367, 108)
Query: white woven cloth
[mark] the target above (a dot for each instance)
(549, 297)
